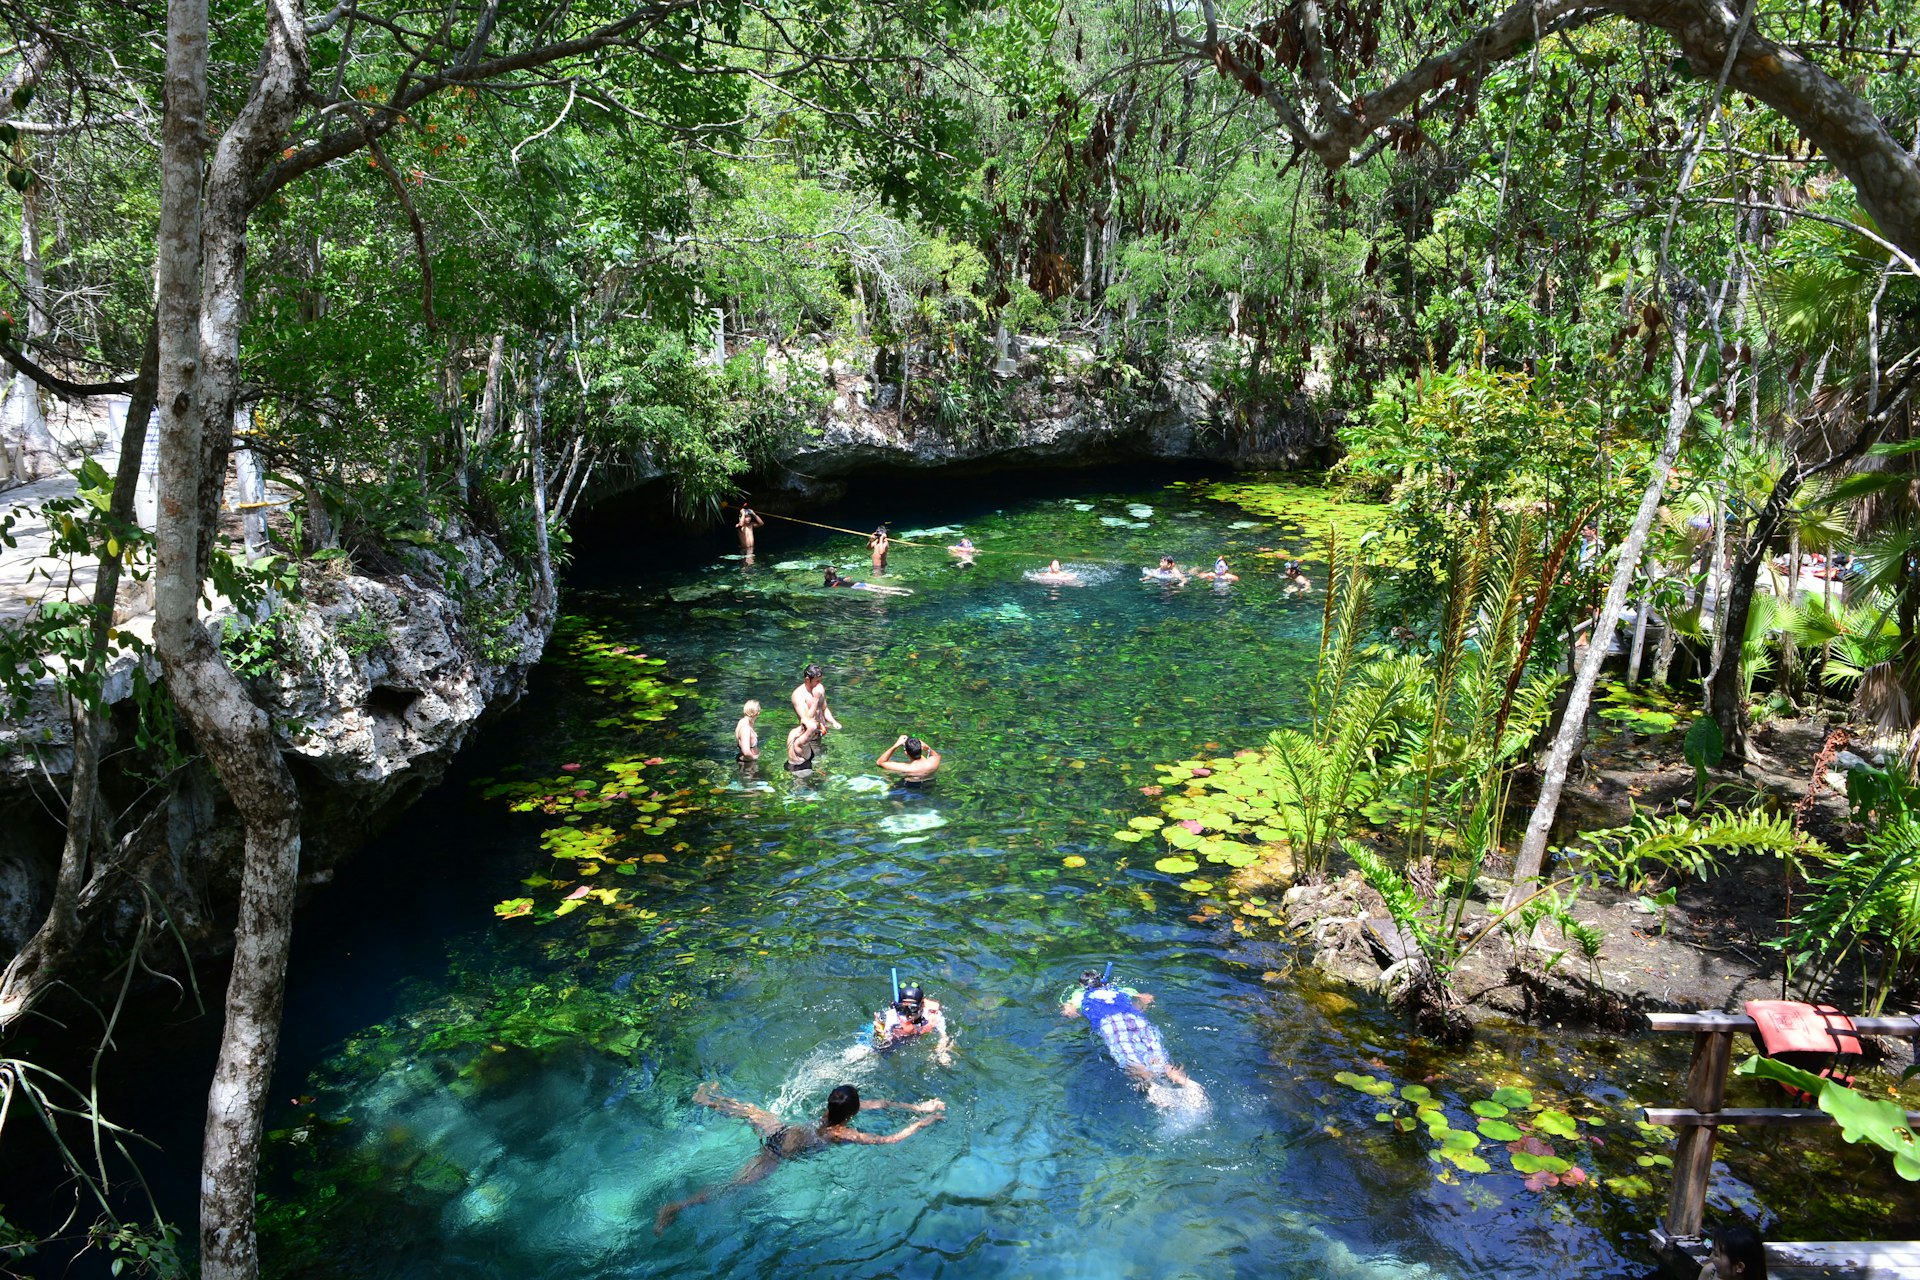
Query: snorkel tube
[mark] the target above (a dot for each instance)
(1106, 973)
(896, 984)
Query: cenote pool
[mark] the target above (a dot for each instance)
(474, 1084)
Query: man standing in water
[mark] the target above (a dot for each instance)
(810, 702)
(921, 763)
(781, 1141)
(877, 545)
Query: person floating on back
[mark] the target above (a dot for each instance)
(834, 578)
(909, 1016)
(1117, 1015)
(921, 763)
(782, 1141)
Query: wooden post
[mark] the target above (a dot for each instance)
(1693, 1162)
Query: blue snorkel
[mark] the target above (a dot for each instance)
(896, 984)
(1106, 973)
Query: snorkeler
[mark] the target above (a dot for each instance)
(810, 704)
(1219, 572)
(781, 1141)
(1297, 581)
(877, 545)
(745, 735)
(834, 578)
(1117, 1015)
(1054, 572)
(921, 763)
(1167, 571)
(748, 522)
(910, 1015)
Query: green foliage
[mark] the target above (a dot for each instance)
(253, 650)
(1866, 898)
(362, 632)
(1876, 1121)
(1652, 846)
(1510, 1121)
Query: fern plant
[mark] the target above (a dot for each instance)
(1867, 900)
(1650, 846)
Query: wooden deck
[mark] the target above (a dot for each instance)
(1816, 1259)
(1677, 1239)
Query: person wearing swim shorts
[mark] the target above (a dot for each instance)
(1118, 1017)
(746, 736)
(877, 546)
(921, 763)
(803, 748)
(782, 1141)
(911, 1016)
(810, 702)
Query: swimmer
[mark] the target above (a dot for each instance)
(745, 735)
(1297, 582)
(1219, 572)
(964, 549)
(1055, 573)
(748, 522)
(1167, 571)
(781, 1141)
(912, 1014)
(877, 546)
(1117, 1015)
(834, 578)
(921, 763)
(810, 703)
(803, 748)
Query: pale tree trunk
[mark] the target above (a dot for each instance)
(536, 461)
(23, 422)
(1573, 724)
(1640, 631)
(201, 272)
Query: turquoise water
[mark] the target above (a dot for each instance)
(483, 1097)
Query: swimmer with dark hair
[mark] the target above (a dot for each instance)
(782, 1141)
(1297, 582)
(834, 578)
(1167, 571)
(1054, 572)
(921, 763)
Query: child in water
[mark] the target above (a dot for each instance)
(745, 736)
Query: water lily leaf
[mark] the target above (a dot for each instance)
(513, 908)
(1513, 1098)
(1499, 1131)
(1372, 1087)
(1176, 865)
(1131, 837)
(1466, 1161)
(1146, 823)
(1491, 1110)
(1197, 886)
(1557, 1123)
(1073, 860)
(1460, 1140)
(1242, 857)
(1180, 837)
(1417, 1094)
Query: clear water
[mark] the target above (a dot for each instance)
(473, 1097)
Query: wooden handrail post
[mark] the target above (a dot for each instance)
(1693, 1162)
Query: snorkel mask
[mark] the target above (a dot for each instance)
(912, 1004)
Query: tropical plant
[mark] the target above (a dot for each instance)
(1865, 900)
(1651, 847)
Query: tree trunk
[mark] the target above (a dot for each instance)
(1640, 631)
(1573, 723)
(51, 946)
(24, 422)
(536, 461)
(201, 271)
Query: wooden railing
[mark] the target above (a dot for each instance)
(1705, 1111)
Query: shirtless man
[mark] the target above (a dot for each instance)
(920, 764)
(749, 521)
(810, 702)
(782, 1141)
(878, 544)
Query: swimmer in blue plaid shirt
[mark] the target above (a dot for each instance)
(1116, 1014)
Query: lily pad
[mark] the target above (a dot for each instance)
(1369, 1085)
(1499, 1131)
(1557, 1123)
(1176, 865)
(1490, 1110)
(1513, 1098)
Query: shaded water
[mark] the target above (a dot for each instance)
(481, 1097)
